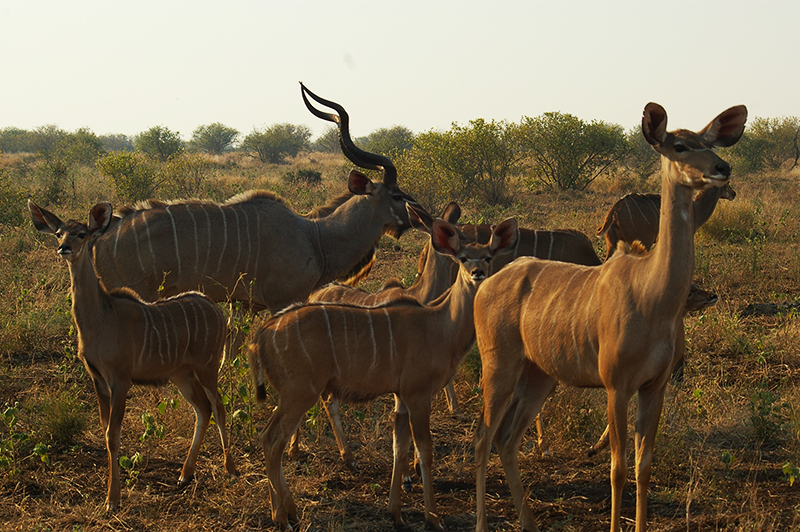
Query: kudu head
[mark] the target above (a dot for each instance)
(360, 184)
(692, 153)
(474, 258)
(73, 236)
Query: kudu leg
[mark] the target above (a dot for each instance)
(648, 414)
(118, 397)
(212, 393)
(194, 394)
(331, 405)
(401, 436)
(617, 433)
(498, 385)
(282, 425)
(530, 394)
(419, 409)
(452, 400)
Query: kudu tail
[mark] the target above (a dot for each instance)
(256, 371)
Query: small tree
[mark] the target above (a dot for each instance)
(134, 176)
(274, 144)
(387, 141)
(328, 142)
(159, 142)
(568, 153)
(214, 138)
(768, 143)
(15, 140)
(475, 159)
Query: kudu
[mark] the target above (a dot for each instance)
(635, 216)
(123, 341)
(358, 353)
(253, 248)
(435, 274)
(539, 323)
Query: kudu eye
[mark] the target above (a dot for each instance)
(82, 235)
(680, 148)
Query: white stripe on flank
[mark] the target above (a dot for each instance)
(330, 337)
(550, 249)
(258, 244)
(196, 239)
(208, 240)
(145, 330)
(190, 333)
(150, 244)
(374, 343)
(573, 313)
(238, 241)
(136, 241)
(116, 238)
(300, 337)
(523, 317)
(249, 241)
(157, 334)
(392, 349)
(588, 310)
(225, 238)
(275, 334)
(166, 333)
(175, 239)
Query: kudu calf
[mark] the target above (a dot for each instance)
(253, 248)
(358, 353)
(635, 216)
(539, 323)
(123, 341)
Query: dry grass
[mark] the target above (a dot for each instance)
(727, 429)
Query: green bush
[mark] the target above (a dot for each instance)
(134, 177)
(307, 176)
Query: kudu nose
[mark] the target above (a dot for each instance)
(477, 274)
(723, 169)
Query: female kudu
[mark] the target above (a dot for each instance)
(615, 326)
(124, 341)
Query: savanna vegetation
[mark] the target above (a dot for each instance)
(728, 451)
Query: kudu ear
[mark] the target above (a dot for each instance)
(417, 219)
(100, 217)
(654, 124)
(359, 184)
(451, 213)
(445, 238)
(727, 128)
(44, 220)
(504, 237)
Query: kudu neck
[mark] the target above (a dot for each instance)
(347, 234)
(671, 263)
(88, 297)
(704, 205)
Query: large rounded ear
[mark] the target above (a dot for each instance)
(44, 220)
(100, 217)
(451, 213)
(504, 236)
(417, 218)
(359, 184)
(654, 124)
(445, 238)
(727, 128)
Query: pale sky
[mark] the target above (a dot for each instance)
(123, 67)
